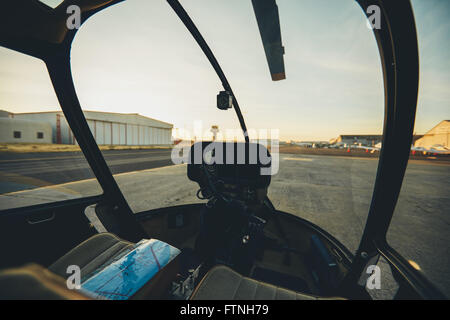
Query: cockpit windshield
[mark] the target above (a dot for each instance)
(149, 93)
(317, 121)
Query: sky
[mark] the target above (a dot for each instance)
(137, 57)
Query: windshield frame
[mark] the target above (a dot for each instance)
(397, 43)
(186, 19)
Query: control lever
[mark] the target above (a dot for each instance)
(183, 289)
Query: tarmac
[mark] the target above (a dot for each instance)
(333, 192)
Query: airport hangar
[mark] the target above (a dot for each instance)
(370, 140)
(365, 139)
(438, 135)
(107, 128)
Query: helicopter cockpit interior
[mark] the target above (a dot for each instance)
(235, 244)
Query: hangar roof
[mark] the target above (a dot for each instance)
(130, 118)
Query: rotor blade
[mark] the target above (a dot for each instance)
(266, 12)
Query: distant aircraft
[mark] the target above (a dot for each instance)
(436, 149)
(373, 149)
(303, 144)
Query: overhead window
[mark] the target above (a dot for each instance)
(17, 134)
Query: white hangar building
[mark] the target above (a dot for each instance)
(438, 135)
(17, 130)
(108, 128)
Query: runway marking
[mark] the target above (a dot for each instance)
(42, 159)
(62, 185)
(74, 156)
(148, 170)
(30, 181)
(299, 159)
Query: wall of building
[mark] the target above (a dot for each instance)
(108, 128)
(50, 118)
(440, 135)
(366, 140)
(5, 114)
(24, 131)
(117, 133)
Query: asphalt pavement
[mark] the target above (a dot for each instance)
(333, 192)
(23, 171)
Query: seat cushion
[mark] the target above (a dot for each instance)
(34, 282)
(222, 283)
(93, 253)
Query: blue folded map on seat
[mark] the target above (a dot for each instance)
(127, 274)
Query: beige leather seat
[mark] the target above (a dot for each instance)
(91, 254)
(222, 283)
(35, 282)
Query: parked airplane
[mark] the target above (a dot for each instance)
(303, 144)
(375, 148)
(436, 149)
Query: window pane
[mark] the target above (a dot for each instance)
(39, 159)
(137, 57)
(134, 97)
(420, 227)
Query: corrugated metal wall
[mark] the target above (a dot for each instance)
(109, 128)
(128, 134)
